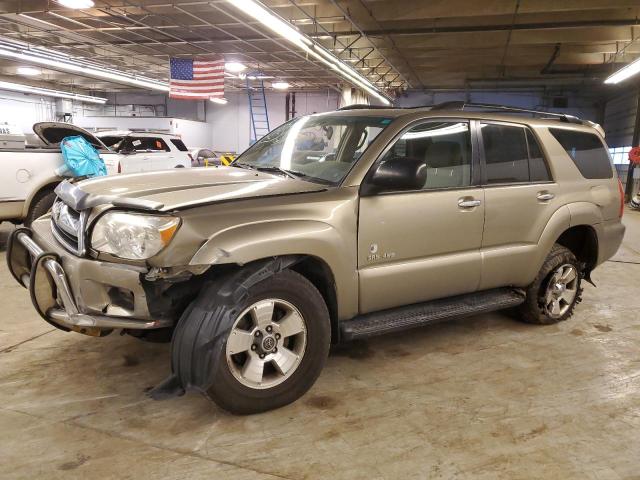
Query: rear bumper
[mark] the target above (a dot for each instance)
(76, 293)
(610, 235)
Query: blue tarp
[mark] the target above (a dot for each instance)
(81, 158)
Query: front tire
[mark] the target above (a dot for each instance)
(40, 205)
(554, 294)
(269, 348)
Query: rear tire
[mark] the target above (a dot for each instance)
(268, 349)
(40, 205)
(554, 294)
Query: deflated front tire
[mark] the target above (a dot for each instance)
(258, 352)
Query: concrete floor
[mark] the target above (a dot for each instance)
(486, 397)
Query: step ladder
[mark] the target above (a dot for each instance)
(258, 114)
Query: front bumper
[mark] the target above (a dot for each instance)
(74, 293)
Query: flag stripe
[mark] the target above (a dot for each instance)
(197, 83)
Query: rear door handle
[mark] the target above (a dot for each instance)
(545, 196)
(466, 202)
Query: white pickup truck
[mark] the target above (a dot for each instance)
(28, 172)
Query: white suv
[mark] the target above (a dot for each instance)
(29, 172)
(144, 151)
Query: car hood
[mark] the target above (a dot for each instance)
(52, 133)
(182, 188)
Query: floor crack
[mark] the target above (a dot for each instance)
(11, 347)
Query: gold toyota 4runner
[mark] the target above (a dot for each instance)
(333, 227)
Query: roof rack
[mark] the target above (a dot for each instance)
(362, 106)
(459, 105)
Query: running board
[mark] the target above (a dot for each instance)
(419, 314)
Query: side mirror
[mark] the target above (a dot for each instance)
(397, 174)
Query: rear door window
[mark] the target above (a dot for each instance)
(587, 152)
(506, 154)
(149, 144)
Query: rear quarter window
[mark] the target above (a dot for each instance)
(587, 152)
(179, 144)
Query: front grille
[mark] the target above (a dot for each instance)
(67, 226)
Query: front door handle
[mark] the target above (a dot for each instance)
(545, 196)
(466, 202)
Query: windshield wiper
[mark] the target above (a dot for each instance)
(277, 170)
(242, 165)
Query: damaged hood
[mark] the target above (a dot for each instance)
(52, 133)
(188, 187)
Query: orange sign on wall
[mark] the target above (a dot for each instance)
(634, 155)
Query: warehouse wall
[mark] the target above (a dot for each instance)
(222, 127)
(620, 117)
(230, 123)
(25, 110)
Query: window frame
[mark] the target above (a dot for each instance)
(166, 149)
(475, 165)
(483, 160)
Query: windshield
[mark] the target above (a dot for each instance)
(317, 148)
(111, 141)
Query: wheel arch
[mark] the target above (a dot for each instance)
(328, 258)
(582, 241)
(319, 273)
(45, 186)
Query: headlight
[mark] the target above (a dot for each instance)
(131, 235)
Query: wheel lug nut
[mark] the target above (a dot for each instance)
(275, 350)
(262, 355)
(258, 333)
(253, 347)
(277, 336)
(269, 328)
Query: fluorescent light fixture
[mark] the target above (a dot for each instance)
(219, 101)
(18, 87)
(235, 67)
(267, 18)
(625, 72)
(61, 62)
(76, 3)
(280, 85)
(284, 29)
(29, 71)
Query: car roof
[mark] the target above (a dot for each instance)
(511, 115)
(129, 133)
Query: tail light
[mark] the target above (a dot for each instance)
(119, 167)
(621, 190)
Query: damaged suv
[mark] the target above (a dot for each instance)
(333, 227)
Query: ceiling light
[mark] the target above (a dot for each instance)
(272, 21)
(624, 73)
(280, 85)
(219, 101)
(235, 67)
(29, 71)
(76, 3)
(284, 29)
(17, 87)
(61, 62)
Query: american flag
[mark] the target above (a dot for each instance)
(196, 79)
